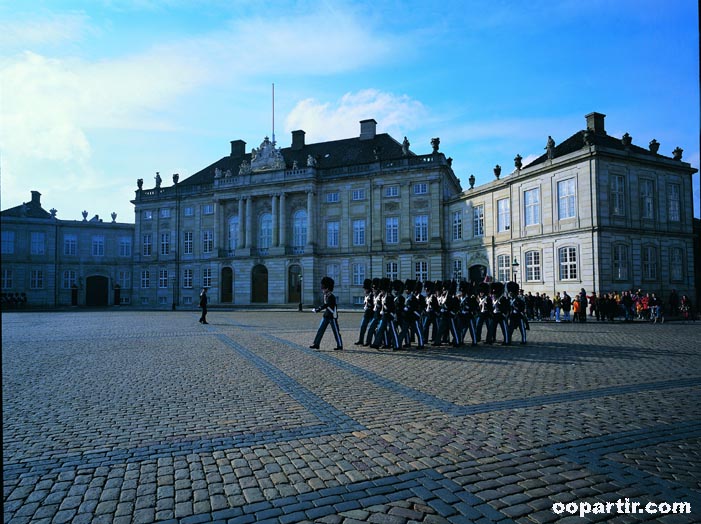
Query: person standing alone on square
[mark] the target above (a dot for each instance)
(203, 305)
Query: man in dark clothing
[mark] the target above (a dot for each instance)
(330, 316)
(203, 305)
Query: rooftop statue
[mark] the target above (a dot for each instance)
(267, 157)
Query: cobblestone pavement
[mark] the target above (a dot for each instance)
(136, 417)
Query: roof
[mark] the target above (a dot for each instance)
(328, 155)
(577, 142)
(29, 209)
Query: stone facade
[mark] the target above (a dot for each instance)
(593, 212)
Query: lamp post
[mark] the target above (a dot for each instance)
(175, 282)
(300, 293)
(514, 267)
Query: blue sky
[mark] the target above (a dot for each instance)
(97, 93)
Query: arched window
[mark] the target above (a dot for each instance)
(299, 229)
(233, 233)
(265, 231)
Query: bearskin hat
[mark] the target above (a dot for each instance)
(409, 285)
(385, 284)
(452, 287)
(483, 287)
(327, 283)
(512, 287)
(497, 288)
(376, 283)
(428, 286)
(418, 286)
(438, 286)
(465, 287)
(367, 284)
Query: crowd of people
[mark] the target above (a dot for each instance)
(13, 300)
(397, 315)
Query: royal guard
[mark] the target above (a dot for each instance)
(413, 308)
(386, 334)
(449, 309)
(368, 311)
(330, 317)
(500, 313)
(468, 310)
(517, 311)
(376, 311)
(430, 318)
(484, 312)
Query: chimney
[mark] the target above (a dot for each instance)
(368, 128)
(595, 123)
(36, 198)
(297, 140)
(238, 148)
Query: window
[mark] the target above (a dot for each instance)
(207, 241)
(503, 268)
(359, 194)
(163, 278)
(188, 211)
(162, 300)
(69, 279)
(8, 242)
(392, 230)
(618, 194)
(187, 301)
(649, 263)
(358, 272)
(392, 270)
(421, 188)
(125, 247)
(70, 244)
(233, 233)
(145, 279)
(98, 246)
(332, 197)
(503, 215)
(146, 246)
(332, 229)
(124, 279)
(421, 228)
(531, 202)
(392, 191)
(568, 263)
(647, 199)
(457, 225)
(421, 270)
(37, 243)
(6, 278)
(334, 271)
(532, 266)
(148, 214)
(165, 212)
(674, 203)
(265, 231)
(478, 221)
(299, 229)
(620, 262)
(187, 242)
(566, 198)
(165, 243)
(208, 209)
(676, 264)
(207, 277)
(187, 278)
(36, 279)
(457, 269)
(358, 232)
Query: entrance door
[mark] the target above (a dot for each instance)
(294, 284)
(477, 273)
(227, 285)
(259, 287)
(96, 292)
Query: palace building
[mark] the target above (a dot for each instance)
(262, 227)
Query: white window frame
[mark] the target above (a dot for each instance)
(358, 194)
(69, 278)
(207, 277)
(478, 221)
(6, 278)
(359, 232)
(649, 262)
(125, 246)
(392, 191)
(618, 195)
(568, 264)
(674, 203)
(619, 262)
(421, 228)
(647, 199)
(145, 279)
(503, 268)
(165, 212)
(187, 278)
(233, 232)
(187, 243)
(165, 243)
(98, 246)
(392, 270)
(332, 233)
(299, 228)
(392, 230)
(207, 241)
(36, 279)
(503, 215)
(148, 214)
(208, 209)
(147, 246)
(38, 243)
(420, 188)
(457, 225)
(188, 211)
(566, 199)
(421, 270)
(358, 273)
(265, 231)
(457, 269)
(70, 244)
(533, 265)
(124, 279)
(8, 242)
(676, 264)
(332, 197)
(531, 205)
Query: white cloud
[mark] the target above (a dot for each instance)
(395, 114)
(40, 29)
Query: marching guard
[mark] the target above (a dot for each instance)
(468, 308)
(484, 312)
(414, 307)
(517, 308)
(330, 317)
(368, 311)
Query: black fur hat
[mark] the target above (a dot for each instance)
(409, 285)
(328, 283)
(497, 289)
(367, 284)
(385, 284)
(428, 286)
(418, 287)
(452, 287)
(376, 283)
(398, 286)
(512, 287)
(438, 286)
(465, 287)
(483, 287)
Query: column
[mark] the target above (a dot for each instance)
(240, 244)
(249, 213)
(283, 220)
(275, 224)
(310, 221)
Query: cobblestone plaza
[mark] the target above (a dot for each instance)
(137, 417)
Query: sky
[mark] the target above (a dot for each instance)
(95, 94)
